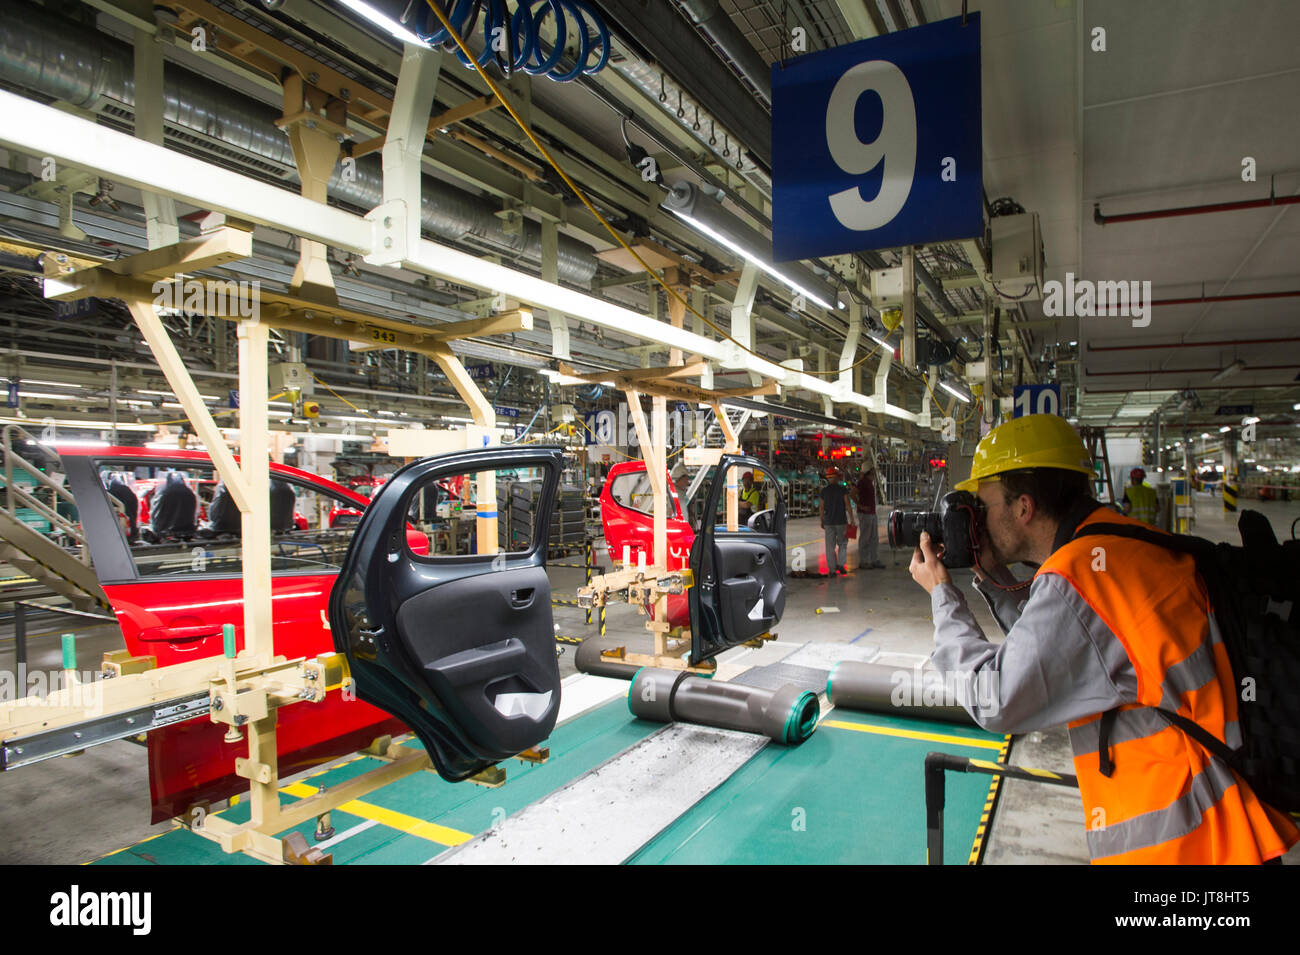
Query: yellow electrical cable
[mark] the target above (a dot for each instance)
(339, 396)
(451, 31)
(213, 413)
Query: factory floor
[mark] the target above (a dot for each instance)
(80, 809)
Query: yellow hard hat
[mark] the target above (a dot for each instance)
(1034, 441)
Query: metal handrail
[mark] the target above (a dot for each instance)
(25, 498)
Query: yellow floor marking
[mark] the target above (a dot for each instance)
(803, 543)
(912, 734)
(443, 835)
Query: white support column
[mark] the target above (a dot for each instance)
(909, 308)
(659, 461)
(255, 468)
(742, 306)
(160, 212)
(850, 350)
(403, 148)
(699, 302)
(877, 402)
(559, 322)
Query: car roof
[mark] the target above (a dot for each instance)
(181, 456)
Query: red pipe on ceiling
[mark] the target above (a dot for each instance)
(1100, 219)
(1240, 341)
(1245, 297)
(1191, 371)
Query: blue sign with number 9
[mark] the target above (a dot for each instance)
(877, 144)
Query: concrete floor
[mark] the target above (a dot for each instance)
(76, 809)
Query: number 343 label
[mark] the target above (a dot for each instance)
(877, 144)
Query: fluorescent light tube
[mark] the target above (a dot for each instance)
(954, 392)
(385, 21)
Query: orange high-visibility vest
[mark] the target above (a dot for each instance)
(1166, 800)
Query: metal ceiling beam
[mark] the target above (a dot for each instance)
(862, 18)
(680, 51)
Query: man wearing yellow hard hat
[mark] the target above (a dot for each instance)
(1108, 630)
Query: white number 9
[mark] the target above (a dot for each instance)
(853, 156)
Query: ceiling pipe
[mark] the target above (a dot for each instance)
(717, 25)
(1189, 371)
(1243, 297)
(1213, 344)
(1199, 388)
(1272, 200)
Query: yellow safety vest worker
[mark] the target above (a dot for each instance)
(1142, 497)
(751, 497)
(1151, 794)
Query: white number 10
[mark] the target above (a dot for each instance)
(853, 156)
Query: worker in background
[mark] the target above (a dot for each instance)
(868, 542)
(1085, 648)
(750, 497)
(834, 513)
(1140, 498)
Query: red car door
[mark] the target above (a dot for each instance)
(173, 588)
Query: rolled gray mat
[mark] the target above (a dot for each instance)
(788, 715)
(588, 660)
(904, 691)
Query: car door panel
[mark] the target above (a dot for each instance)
(461, 648)
(739, 591)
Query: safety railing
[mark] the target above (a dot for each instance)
(18, 496)
(938, 764)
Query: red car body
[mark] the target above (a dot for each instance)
(180, 618)
(631, 531)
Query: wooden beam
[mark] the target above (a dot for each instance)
(480, 104)
(191, 255)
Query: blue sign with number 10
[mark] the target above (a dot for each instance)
(1036, 399)
(876, 144)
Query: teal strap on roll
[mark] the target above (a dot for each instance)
(629, 690)
(830, 678)
(69, 651)
(228, 639)
(801, 722)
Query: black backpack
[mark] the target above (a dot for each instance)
(1255, 592)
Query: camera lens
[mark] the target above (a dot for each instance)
(905, 528)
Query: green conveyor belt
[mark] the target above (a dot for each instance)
(844, 796)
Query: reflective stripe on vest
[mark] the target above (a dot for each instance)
(1165, 798)
(1176, 820)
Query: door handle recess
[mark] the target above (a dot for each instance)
(522, 597)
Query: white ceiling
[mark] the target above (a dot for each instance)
(1163, 118)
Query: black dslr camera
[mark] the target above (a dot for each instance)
(958, 525)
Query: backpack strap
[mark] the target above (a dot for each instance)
(1105, 765)
(1197, 732)
(1071, 520)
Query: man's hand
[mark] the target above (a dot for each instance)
(926, 568)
